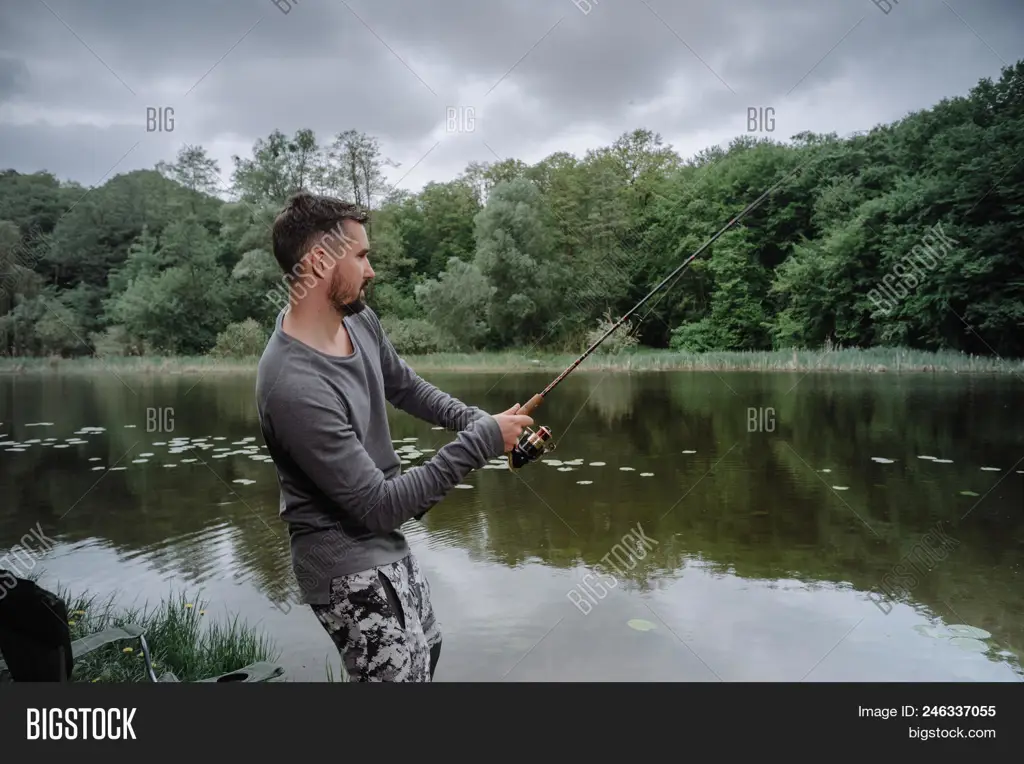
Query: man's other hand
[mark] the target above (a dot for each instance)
(512, 425)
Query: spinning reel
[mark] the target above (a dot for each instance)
(531, 446)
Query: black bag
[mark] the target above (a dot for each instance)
(35, 639)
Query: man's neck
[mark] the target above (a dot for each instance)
(319, 326)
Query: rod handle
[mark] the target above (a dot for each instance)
(528, 407)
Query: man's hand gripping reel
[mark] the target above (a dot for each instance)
(532, 445)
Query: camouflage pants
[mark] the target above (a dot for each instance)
(383, 624)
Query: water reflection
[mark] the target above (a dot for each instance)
(760, 568)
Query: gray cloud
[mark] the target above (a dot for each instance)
(541, 75)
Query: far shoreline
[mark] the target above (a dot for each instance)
(868, 361)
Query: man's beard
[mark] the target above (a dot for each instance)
(351, 308)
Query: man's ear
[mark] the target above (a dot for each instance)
(316, 266)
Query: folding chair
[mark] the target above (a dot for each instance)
(35, 641)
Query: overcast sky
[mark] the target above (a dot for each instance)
(529, 77)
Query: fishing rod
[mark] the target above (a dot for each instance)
(532, 445)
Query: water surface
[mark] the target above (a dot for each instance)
(770, 524)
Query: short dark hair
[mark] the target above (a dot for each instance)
(304, 217)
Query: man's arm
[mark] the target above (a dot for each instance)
(318, 437)
(406, 390)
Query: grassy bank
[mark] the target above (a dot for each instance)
(181, 639)
(874, 360)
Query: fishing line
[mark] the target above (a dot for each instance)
(533, 444)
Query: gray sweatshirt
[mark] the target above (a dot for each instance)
(324, 420)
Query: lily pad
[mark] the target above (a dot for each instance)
(990, 469)
(646, 474)
(597, 464)
(840, 488)
(943, 461)
(627, 469)
(463, 485)
(969, 493)
(640, 624)
(689, 452)
(825, 470)
(584, 482)
(972, 645)
(925, 457)
(881, 460)
(962, 630)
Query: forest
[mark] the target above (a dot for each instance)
(906, 235)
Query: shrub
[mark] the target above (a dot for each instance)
(241, 340)
(414, 336)
(620, 340)
(114, 342)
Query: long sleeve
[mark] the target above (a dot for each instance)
(317, 436)
(406, 390)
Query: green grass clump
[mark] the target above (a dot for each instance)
(182, 639)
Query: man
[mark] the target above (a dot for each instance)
(321, 389)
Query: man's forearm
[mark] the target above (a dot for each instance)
(423, 400)
(322, 443)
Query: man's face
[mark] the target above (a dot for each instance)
(351, 272)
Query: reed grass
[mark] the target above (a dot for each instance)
(870, 360)
(182, 639)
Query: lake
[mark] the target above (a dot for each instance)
(709, 526)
